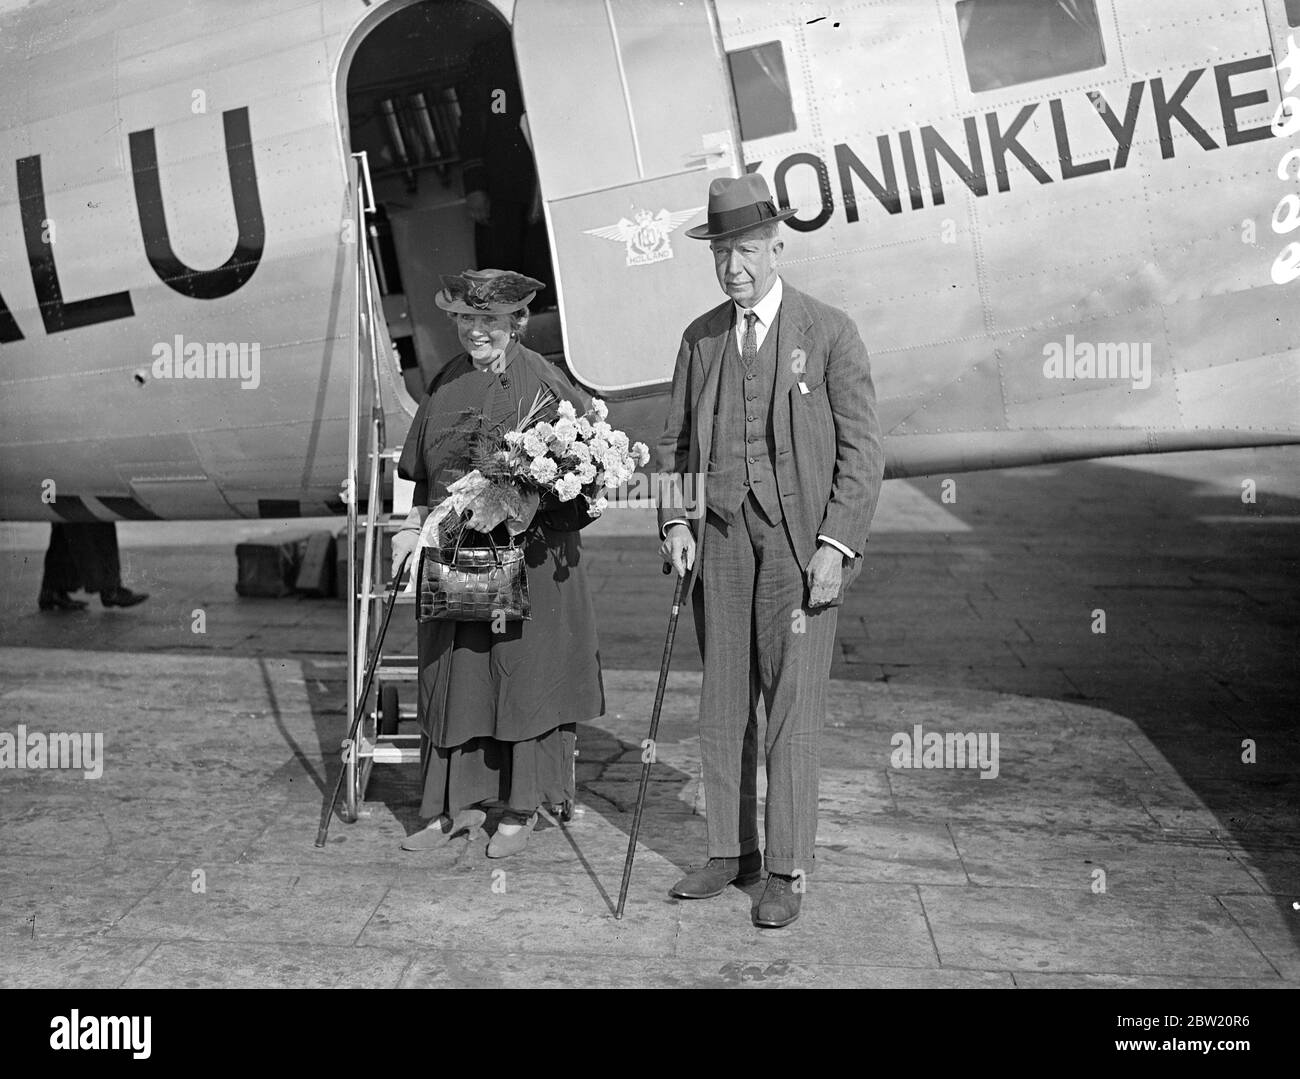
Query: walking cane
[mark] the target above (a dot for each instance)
(654, 730)
(350, 742)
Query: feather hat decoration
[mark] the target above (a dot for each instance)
(491, 292)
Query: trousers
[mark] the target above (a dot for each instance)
(760, 641)
(82, 555)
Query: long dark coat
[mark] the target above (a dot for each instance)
(540, 673)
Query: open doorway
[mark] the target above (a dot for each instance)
(433, 97)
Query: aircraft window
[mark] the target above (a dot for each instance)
(1293, 12)
(1013, 41)
(762, 90)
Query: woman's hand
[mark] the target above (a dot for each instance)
(493, 505)
(520, 521)
(405, 543)
(487, 510)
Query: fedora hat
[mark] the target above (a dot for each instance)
(486, 292)
(737, 205)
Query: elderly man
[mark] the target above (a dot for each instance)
(772, 404)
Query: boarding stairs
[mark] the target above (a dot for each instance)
(379, 739)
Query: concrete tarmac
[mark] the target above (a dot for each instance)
(1141, 830)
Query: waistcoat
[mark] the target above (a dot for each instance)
(743, 456)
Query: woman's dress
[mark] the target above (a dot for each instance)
(498, 710)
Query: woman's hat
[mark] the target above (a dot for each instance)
(486, 292)
(737, 205)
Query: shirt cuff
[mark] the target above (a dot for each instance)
(663, 531)
(837, 545)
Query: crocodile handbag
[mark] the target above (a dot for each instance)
(472, 584)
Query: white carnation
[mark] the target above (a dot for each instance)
(543, 470)
(567, 487)
(565, 431)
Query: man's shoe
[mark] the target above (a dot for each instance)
(59, 601)
(502, 845)
(713, 878)
(121, 597)
(441, 830)
(780, 903)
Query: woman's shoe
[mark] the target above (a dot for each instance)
(504, 844)
(440, 830)
(59, 601)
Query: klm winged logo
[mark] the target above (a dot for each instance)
(646, 236)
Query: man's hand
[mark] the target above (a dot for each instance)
(479, 206)
(678, 549)
(825, 575)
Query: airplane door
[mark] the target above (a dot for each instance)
(630, 112)
(1283, 17)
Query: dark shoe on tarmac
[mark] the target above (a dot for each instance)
(59, 601)
(121, 597)
(713, 879)
(780, 903)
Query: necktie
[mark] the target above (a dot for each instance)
(749, 347)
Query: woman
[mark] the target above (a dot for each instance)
(497, 710)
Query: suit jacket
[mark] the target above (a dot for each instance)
(829, 457)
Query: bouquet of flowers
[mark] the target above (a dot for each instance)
(557, 453)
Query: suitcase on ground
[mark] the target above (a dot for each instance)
(316, 573)
(268, 567)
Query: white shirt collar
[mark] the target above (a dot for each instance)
(765, 309)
